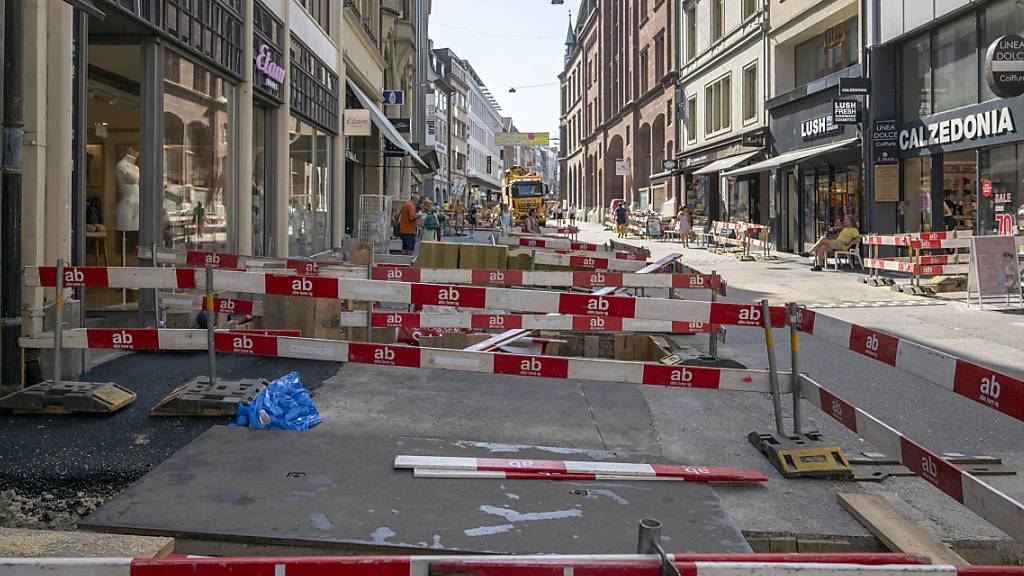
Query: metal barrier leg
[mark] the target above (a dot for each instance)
(649, 542)
(369, 304)
(211, 324)
(713, 337)
(58, 324)
(794, 347)
(156, 291)
(773, 369)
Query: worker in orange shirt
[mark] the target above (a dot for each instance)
(407, 224)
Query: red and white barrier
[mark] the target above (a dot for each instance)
(593, 262)
(522, 321)
(503, 565)
(531, 278)
(532, 301)
(914, 268)
(990, 388)
(577, 248)
(235, 306)
(1000, 510)
(921, 240)
(578, 467)
(414, 357)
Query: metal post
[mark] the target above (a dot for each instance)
(211, 323)
(369, 303)
(794, 347)
(650, 535)
(156, 291)
(713, 338)
(533, 259)
(58, 324)
(773, 369)
(649, 542)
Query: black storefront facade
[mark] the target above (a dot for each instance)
(815, 171)
(959, 147)
(710, 196)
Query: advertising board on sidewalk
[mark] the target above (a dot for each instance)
(994, 270)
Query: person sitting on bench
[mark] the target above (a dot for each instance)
(841, 242)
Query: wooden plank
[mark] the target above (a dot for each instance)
(21, 543)
(895, 530)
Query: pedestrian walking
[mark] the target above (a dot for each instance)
(622, 220)
(431, 222)
(199, 215)
(683, 226)
(407, 224)
(531, 225)
(572, 215)
(505, 219)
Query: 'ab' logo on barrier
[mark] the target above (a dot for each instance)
(990, 390)
(302, 287)
(226, 305)
(496, 321)
(394, 274)
(384, 356)
(242, 344)
(697, 281)
(597, 279)
(123, 340)
(871, 344)
(597, 306)
(750, 316)
(73, 277)
(393, 320)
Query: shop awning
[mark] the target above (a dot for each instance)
(791, 157)
(725, 163)
(385, 126)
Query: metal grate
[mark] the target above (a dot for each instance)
(374, 221)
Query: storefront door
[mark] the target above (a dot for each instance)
(262, 179)
(999, 204)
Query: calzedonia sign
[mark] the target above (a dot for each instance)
(973, 126)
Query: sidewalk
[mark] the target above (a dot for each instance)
(988, 337)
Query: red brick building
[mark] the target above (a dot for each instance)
(618, 105)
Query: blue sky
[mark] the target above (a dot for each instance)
(510, 43)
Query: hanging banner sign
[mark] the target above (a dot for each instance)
(522, 139)
(357, 123)
(845, 111)
(885, 142)
(1004, 66)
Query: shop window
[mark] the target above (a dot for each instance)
(999, 204)
(750, 92)
(691, 119)
(320, 11)
(834, 50)
(199, 190)
(309, 186)
(314, 88)
(955, 63)
(999, 19)
(717, 106)
(691, 33)
(917, 197)
(717, 19)
(916, 75)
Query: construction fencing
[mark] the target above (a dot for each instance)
(553, 565)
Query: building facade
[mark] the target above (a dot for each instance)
(721, 49)
(484, 164)
(959, 157)
(618, 105)
(438, 134)
(217, 127)
(458, 148)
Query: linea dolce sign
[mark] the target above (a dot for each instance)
(1004, 66)
(972, 126)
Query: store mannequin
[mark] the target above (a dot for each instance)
(127, 173)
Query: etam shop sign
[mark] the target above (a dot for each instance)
(964, 128)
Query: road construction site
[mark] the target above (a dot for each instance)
(334, 489)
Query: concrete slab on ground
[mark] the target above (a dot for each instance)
(324, 489)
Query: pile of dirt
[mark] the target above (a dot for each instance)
(57, 510)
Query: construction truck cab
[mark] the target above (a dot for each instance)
(522, 191)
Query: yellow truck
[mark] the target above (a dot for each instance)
(521, 191)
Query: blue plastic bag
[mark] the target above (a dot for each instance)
(283, 405)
